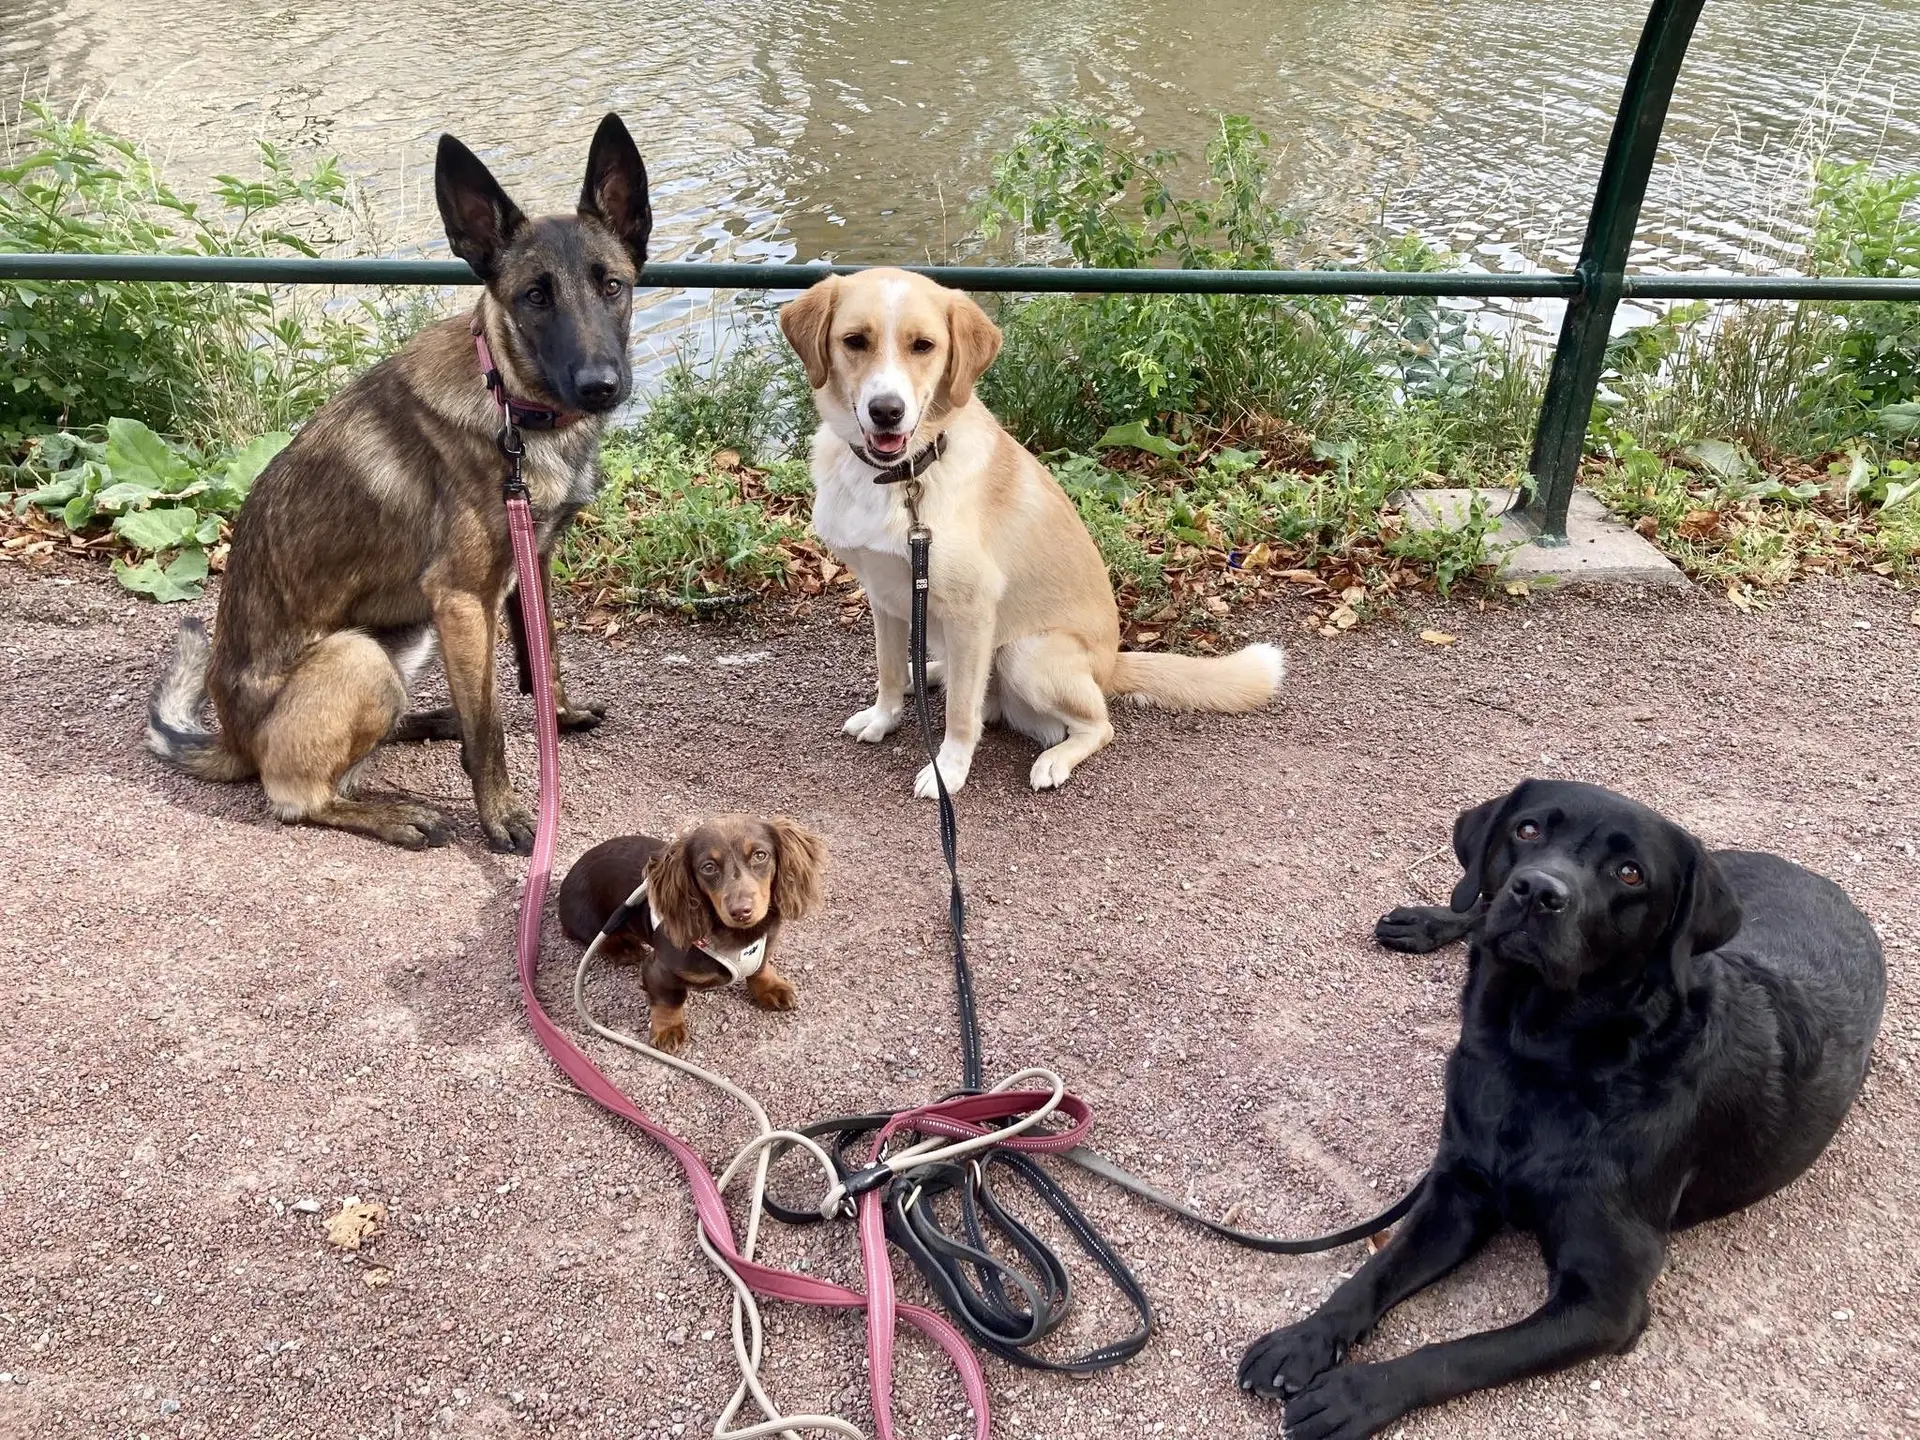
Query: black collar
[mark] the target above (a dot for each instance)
(912, 468)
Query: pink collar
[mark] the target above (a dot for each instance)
(521, 414)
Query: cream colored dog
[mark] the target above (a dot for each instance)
(1020, 608)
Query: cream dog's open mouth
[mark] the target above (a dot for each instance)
(886, 447)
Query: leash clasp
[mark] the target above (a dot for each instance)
(514, 448)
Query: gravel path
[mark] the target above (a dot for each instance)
(214, 1019)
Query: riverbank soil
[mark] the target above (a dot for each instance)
(217, 1030)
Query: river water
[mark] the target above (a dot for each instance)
(781, 129)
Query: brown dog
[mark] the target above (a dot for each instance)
(716, 899)
(380, 533)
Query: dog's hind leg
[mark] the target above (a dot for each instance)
(342, 699)
(1048, 692)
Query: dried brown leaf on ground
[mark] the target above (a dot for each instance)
(377, 1277)
(356, 1224)
(1438, 637)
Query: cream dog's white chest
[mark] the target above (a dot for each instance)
(865, 525)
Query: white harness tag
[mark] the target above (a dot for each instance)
(738, 967)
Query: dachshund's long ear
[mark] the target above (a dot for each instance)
(1474, 833)
(677, 897)
(798, 869)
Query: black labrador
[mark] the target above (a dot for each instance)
(1651, 1036)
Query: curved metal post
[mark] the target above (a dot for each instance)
(1581, 352)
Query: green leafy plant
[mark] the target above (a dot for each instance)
(164, 502)
(1869, 224)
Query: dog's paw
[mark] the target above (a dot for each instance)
(772, 992)
(954, 765)
(415, 827)
(671, 1037)
(1348, 1404)
(578, 719)
(1050, 771)
(1416, 929)
(1282, 1362)
(936, 674)
(510, 827)
(873, 724)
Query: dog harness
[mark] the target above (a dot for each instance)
(738, 966)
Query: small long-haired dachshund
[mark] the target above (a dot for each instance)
(716, 898)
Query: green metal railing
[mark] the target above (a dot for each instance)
(1593, 291)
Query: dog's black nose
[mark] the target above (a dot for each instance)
(598, 386)
(1540, 890)
(886, 411)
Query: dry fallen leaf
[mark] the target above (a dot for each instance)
(1146, 637)
(726, 460)
(827, 571)
(1438, 637)
(1344, 618)
(1518, 589)
(1741, 597)
(1647, 526)
(1216, 605)
(1699, 524)
(1377, 1243)
(1300, 577)
(377, 1278)
(1257, 557)
(357, 1224)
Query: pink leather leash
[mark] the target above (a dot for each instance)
(958, 1118)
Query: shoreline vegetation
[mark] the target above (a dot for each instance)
(1221, 449)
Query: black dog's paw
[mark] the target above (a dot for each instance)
(1348, 1404)
(1282, 1362)
(1418, 929)
(578, 719)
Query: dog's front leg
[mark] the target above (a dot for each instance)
(466, 625)
(969, 637)
(882, 718)
(1596, 1305)
(570, 717)
(1449, 1222)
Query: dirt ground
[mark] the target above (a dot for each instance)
(213, 1018)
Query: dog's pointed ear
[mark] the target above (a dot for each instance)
(479, 218)
(615, 190)
(972, 340)
(677, 897)
(806, 321)
(798, 867)
(1474, 833)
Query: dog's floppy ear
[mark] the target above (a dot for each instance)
(805, 322)
(480, 220)
(677, 897)
(973, 340)
(800, 863)
(1708, 913)
(1473, 835)
(615, 191)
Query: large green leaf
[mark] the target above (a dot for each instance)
(179, 581)
(122, 495)
(244, 467)
(1135, 435)
(167, 528)
(1721, 458)
(138, 456)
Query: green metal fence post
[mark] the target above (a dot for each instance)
(1581, 352)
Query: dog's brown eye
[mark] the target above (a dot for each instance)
(922, 346)
(612, 286)
(537, 295)
(1527, 830)
(760, 857)
(1630, 874)
(855, 342)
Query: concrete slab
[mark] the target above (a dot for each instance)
(1599, 549)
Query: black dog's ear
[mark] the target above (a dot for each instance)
(1708, 915)
(1473, 832)
(480, 220)
(615, 192)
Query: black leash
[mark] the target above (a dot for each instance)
(974, 1286)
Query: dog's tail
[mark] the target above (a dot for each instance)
(1244, 680)
(174, 729)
